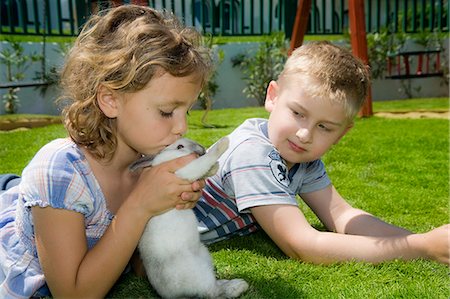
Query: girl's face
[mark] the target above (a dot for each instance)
(154, 117)
(303, 128)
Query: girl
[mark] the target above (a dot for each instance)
(73, 222)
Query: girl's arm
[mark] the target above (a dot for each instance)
(70, 269)
(289, 229)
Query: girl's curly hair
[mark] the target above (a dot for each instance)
(123, 49)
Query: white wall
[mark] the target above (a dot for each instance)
(230, 82)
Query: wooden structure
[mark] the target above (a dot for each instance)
(357, 36)
(427, 64)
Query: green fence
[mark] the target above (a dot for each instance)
(230, 17)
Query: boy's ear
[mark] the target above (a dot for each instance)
(271, 96)
(107, 101)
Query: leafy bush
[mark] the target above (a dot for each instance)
(211, 87)
(264, 66)
(16, 63)
(380, 46)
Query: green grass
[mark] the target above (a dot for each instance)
(36, 38)
(427, 104)
(396, 169)
(261, 38)
(16, 117)
(219, 40)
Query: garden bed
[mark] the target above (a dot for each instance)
(12, 123)
(414, 114)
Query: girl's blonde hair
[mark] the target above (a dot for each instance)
(336, 74)
(123, 49)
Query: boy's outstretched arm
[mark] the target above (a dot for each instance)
(289, 229)
(339, 216)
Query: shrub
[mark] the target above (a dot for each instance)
(264, 66)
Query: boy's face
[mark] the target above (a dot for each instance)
(301, 127)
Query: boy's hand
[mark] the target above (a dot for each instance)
(437, 244)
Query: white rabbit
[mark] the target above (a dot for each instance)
(176, 262)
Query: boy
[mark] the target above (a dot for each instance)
(269, 162)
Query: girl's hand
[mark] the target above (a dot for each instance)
(158, 188)
(190, 198)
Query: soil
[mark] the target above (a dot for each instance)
(27, 123)
(30, 122)
(415, 114)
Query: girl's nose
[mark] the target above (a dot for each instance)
(180, 126)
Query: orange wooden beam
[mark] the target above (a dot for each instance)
(359, 44)
(140, 2)
(300, 24)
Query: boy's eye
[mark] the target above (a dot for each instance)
(299, 114)
(166, 114)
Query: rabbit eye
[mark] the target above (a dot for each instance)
(180, 146)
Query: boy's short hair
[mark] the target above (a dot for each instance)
(123, 49)
(339, 76)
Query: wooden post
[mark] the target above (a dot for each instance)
(140, 2)
(300, 24)
(359, 44)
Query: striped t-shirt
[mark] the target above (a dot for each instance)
(251, 173)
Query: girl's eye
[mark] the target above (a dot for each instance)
(166, 114)
(323, 127)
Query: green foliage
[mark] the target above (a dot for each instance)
(11, 100)
(211, 87)
(382, 45)
(263, 67)
(51, 76)
(16, 63)
(435, 41)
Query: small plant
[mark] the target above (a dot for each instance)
(264, 66)
(11, 100)
(16, 64)
(211, 87)
(52, 76)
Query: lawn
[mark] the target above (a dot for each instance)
(426, 104)
(397, 169)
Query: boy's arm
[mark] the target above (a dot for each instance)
(290, 230)
(339, 216)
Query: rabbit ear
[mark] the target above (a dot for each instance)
(145, 161)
